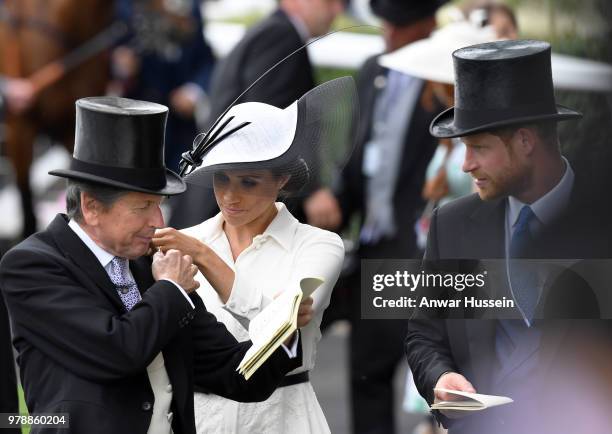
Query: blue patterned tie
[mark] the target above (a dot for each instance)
(523, 278)
(124, 282)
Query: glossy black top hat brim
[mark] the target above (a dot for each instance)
(500, 84)
(119, 142)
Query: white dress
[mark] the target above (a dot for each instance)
(286, 252)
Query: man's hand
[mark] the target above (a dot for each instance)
(305, 312)
(322, 210)
(452, 381)
(184, 99)
(125, 63)
(176, 267)
(19, 94)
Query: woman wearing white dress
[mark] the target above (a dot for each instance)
(254, 248)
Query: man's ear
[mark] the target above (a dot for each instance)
(527, 140)
(90, 209)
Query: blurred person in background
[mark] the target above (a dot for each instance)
(382, 183)
(166, 60)
(288, 28)
(497, 15)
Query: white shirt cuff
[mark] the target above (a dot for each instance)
(182, 292)
(292, 353)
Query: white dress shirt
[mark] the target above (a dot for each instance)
(546, 208)
(276, 260)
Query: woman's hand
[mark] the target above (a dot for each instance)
(169, 238)
(305, 312)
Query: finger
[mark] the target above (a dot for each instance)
(158, 255)
(468, 387)
(188, 259)
(459, 382)
(307, 301)
(193, 269)
(304, 310)
(163, 231)
(303, 320)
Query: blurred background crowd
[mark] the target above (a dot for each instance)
(198, 57)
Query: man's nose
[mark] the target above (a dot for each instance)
(157, 218)
(469, 163)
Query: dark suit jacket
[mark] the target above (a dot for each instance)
(470, 228)
(8, 382)
(80, 352)
(264, 45)
(418, 148)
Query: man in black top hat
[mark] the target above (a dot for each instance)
(104, 335)
(526, 207)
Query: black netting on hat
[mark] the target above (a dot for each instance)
(327, 117)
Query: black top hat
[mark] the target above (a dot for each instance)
(120, 142)
(405, 12)
(498, 84)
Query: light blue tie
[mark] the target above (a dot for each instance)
(523, 277)
(124, 282)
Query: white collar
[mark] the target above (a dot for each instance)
(549, 206)
(281, 228)
(103, 256)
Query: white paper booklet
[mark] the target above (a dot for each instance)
(469, 401)
(274, 324)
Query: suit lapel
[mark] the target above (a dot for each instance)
(71, 245)
(485, 231)
(141, 270)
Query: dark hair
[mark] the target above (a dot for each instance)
(299, 173)
(106, 195)
(546, 131)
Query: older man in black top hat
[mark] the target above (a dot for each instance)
(525, 207)
(104, 335)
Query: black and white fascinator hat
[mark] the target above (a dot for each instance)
(298, 141)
